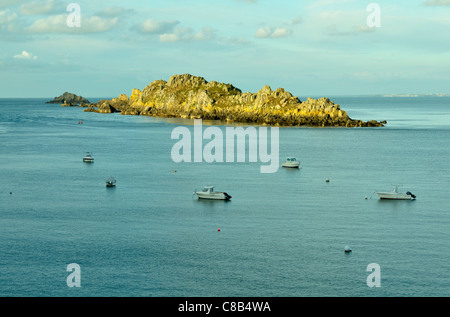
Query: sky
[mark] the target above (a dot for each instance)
(310, 48)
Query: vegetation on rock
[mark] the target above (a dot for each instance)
(188, 96)
(69, 99)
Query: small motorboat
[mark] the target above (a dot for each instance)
(88, 158)
(208, 193)
(111, 182)
(395, 194)
(291, 162)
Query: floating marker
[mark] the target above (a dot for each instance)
(218, 229)
(327, 180)
(347, 249)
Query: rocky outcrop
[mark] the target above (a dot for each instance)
(69, 99)
(188, 96)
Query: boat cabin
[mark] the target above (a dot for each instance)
(111, 182)
(208, 189)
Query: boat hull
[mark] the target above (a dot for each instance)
(291, 165)
(214, 196)
(394, 196)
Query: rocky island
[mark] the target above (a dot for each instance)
(192, 97)
(69, 99)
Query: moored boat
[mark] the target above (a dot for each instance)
(208, 193)
(396, 195)
(88, 158)
(291, 162)
(111, 182)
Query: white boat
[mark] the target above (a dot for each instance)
(291, 162)
(208, 193)
(111, 182)
(88, 158)
(395, 194)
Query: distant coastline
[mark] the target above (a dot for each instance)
(192, 97)
(414, 95)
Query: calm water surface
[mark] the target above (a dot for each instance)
(282, 234)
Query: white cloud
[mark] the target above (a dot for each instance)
(268, 32)
(151, 26)
(7, 20)
(187, 34)
(25, 55)
(263, 32)
(114, 11)
(168, 37)
(281, 32)
(58, 24)
(41, 7)
(205, 34)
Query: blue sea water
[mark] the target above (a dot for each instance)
(282, 234)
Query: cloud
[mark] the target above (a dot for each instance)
(151, 26)
(41, 7)
(172, 31)
(169, 37)
(268, 32)
(363, 29)
(187, 34)
(205, 34)
(7, 18)
(25, 55)
(6, 3)
(58, 24)
(9, 23)
(114, 11)
(437, 3)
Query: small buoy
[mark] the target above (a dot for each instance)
(327, 180)
(218, 229)
(175, 171)
(347, 249)
(365, 197)
(10, 193)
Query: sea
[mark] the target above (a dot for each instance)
(63, 233)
